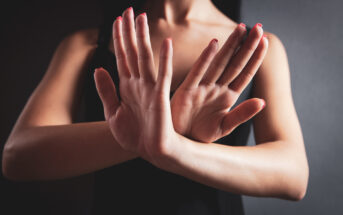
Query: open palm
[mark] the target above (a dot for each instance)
(200, 105)
(141, 121)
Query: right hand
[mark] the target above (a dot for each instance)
(141, 121)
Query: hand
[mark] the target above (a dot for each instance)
(141, 122)
(200, 105)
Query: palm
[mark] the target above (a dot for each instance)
(200, 106)
(140, 116)
(198, 113)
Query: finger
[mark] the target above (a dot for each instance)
(107, 91)
(200, 66)
(243, 79)
(145, 54)
(223, 56)
(240, 114)
(123, 69)
(129, 35)
(243, 55)
(165, 71)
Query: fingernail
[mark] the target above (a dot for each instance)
(242, 24)
(119, 18)
(130, 9)
(143, 14)
(265, 36)
(263, 103)
(259, 25)
(214, 40)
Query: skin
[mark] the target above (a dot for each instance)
(276, 166)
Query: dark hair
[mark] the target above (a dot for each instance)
(112, 8)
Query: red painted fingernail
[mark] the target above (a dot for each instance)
(215, 40)
(242, 24)
(263, 103)
(143, 14)
(119, 18)
(260, 25)
(265, 36)
(130, 9)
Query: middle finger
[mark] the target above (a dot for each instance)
(241, 58)
(129, 36)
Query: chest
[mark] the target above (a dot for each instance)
(184, 57)
(187, 47)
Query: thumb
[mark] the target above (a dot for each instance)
(240, 114)
(107, 91)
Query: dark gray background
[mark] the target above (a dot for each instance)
(311, 31)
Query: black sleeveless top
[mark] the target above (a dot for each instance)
(136, 186)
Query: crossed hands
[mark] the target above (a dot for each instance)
(146, 121)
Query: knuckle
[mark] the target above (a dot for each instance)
(250, 48)
(237, 65)
(144, 56)
(120, 56)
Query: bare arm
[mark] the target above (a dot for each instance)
(277, 166)
(44, 143)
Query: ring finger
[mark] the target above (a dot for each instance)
(241, 58)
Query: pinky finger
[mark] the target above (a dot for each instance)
(240, 114)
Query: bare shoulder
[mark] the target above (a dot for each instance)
(81, 39)
(275, 64)
(275, 46)
(74, 51)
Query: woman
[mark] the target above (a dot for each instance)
(154, 156)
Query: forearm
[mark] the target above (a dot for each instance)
(263, 170)
(56, 152)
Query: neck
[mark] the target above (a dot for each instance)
(177, 11)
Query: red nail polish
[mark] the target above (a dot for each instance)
(263, 103)
(143, 14)
(129, 10)
(260, 25)
(242, 24)
(215, 40)
(265, 36)
(119, 18)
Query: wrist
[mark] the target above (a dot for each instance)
(175, 148)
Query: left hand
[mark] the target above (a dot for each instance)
(200, 104)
